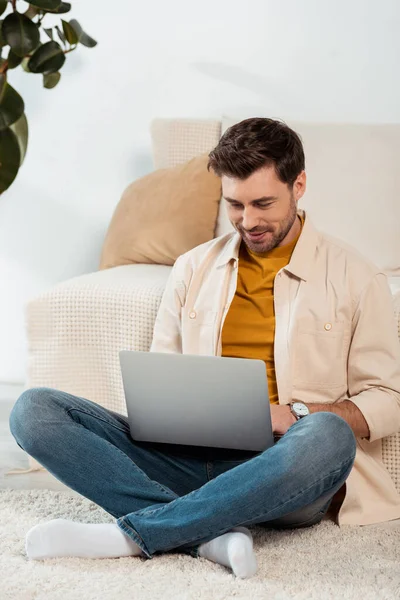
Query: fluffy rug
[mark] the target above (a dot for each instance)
(320, 562)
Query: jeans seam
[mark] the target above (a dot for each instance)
(215, 533)
(134, 535)
(92, 414)
(145, 511)
(237, 461)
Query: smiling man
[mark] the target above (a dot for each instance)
(269, 227)
(321, 318)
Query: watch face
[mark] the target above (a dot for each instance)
(300, 409)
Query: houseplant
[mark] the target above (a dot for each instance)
(25, 42)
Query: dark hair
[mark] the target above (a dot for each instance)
(257, 142)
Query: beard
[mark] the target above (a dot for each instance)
(274, 236)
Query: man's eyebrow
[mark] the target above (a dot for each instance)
(263, 199)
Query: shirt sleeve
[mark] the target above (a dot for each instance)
(167, 333)
(374, 360)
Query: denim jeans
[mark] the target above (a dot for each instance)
(174, 498)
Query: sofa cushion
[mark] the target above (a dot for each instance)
(175, 141)
(163, 215)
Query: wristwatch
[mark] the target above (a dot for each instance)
(299, 409)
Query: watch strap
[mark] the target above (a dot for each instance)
(293, 412)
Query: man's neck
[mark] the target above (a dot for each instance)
(293, 233)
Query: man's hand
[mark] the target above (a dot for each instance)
(282, 418)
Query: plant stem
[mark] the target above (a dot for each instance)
(14, 5)
(71, 49)
(4, 68)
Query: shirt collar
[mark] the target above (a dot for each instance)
(303, 254)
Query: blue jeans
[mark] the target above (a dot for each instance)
(174, 498)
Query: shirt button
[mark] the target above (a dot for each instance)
(328, 326)
(192, 315)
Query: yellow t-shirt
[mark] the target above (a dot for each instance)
(249, 327)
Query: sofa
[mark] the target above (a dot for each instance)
(77, 328)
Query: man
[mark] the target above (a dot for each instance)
(318, 314)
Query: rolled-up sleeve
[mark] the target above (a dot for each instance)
(374, 360)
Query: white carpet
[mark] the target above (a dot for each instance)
(320, 562)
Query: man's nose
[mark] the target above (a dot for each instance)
(250, 220)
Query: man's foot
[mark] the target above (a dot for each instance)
(67, 538)
(233, 549)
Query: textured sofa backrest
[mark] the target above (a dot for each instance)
(352, 178)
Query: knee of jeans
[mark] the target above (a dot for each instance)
(25, 418)
(331, 426)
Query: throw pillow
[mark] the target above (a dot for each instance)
(163, 215)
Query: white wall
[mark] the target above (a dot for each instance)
(313, 60)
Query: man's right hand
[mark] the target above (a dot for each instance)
(282, 418)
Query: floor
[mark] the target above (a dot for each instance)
(11, 455)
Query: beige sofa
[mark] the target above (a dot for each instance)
(77, 328)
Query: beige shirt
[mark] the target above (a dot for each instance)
(335, 340)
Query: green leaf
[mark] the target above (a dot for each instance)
(61, 34)
(11, 106)
(46, 4)
(64, 8)
(83, 37)
(31, 12)
(20, 128)
(10, 158)
(3, 6)
(49, 33)
(20, 33)
(48, 58)
(13, 59)
(70, 33)
(2, 41)
(25, 63)
(50, 80)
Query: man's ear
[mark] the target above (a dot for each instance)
(299, 186)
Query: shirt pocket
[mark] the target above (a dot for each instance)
(198, 328)
(319, 353)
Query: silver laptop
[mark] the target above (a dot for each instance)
(208, 401)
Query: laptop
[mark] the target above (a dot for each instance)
(196, 400)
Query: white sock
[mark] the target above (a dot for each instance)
(67, 538)
(233, 549)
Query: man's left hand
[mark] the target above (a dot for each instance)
(282, 418)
